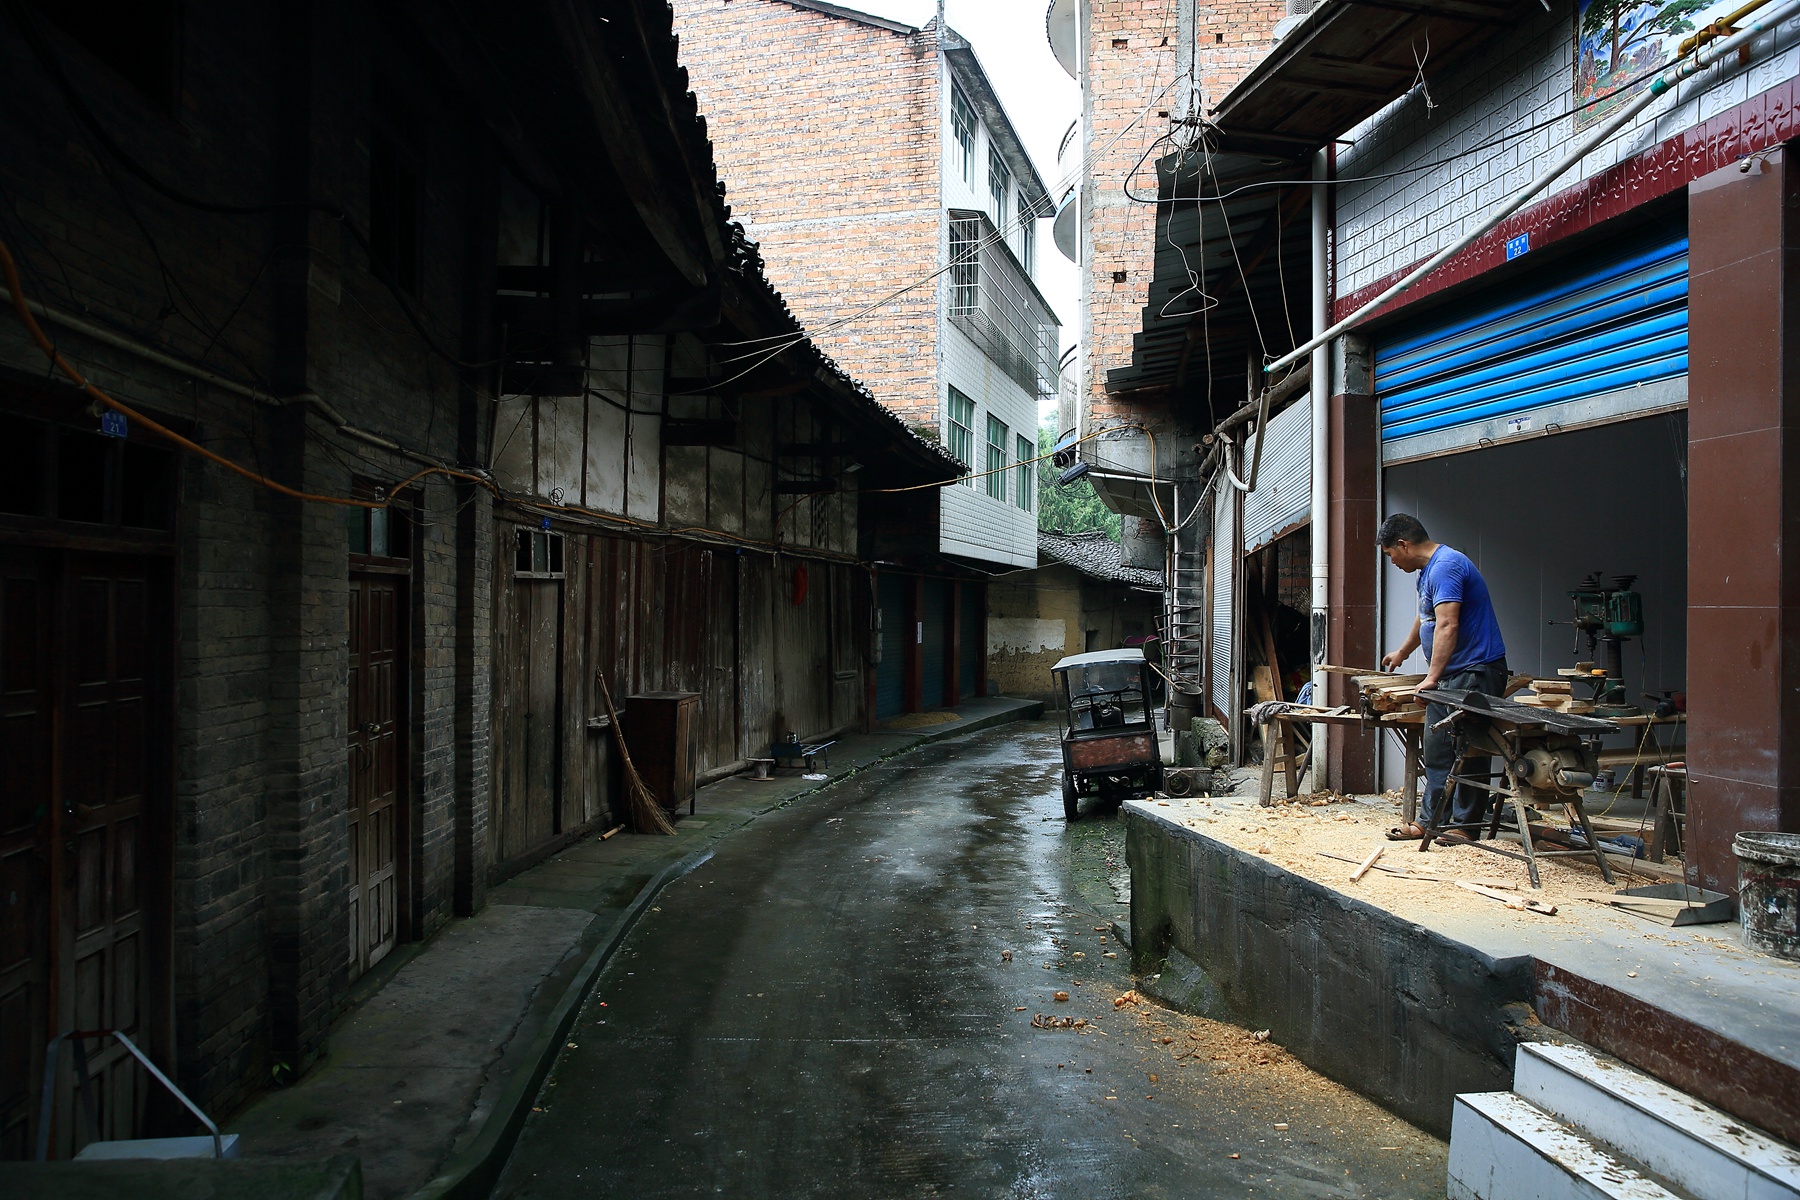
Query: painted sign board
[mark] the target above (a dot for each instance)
(1621, 45)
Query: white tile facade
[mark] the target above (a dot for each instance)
(1450, 176)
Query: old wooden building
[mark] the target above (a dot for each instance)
(437, 382)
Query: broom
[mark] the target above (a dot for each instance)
(647, 813)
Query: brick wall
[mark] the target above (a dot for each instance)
(851, 115)
(1134, 58)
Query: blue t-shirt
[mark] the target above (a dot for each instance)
(1450, 578)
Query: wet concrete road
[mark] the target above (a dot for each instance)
(825, 1009)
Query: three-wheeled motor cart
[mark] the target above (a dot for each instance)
(1109, 747)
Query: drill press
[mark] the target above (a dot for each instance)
(1607, 617)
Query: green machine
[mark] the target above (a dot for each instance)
(1607, 617)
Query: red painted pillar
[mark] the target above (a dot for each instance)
(1743, 676)
(1354, 636)
(915, 639)
(953, 680)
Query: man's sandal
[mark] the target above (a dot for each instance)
(1455, 837)
(1406, 833)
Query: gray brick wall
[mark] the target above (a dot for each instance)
(260, 861)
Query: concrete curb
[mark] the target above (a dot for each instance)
(473, 1173)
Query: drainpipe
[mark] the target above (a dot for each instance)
(1321, 464)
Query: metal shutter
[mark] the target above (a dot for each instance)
(1223, 560)
(1593, 337)
(1283, 495)
(890, 674)
(974, 637)
(935, 646)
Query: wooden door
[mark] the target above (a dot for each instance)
(27, 713)
(109, 935)
(528, 715)
(376, 745)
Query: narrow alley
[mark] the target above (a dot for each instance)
(842, 1003)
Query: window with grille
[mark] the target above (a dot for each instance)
(1027, 241)
(962, 122)
(1022, 473)
(996, 458)
(962, 429)
(965, 266)
(996, 305)
(999, 182)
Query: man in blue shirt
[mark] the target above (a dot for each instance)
(1463, 650)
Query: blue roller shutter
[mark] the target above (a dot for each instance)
(974, 638)
(890, 674)
(934, 647)
(1573, 343)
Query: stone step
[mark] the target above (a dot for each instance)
(1505, 1148)
(1690, 1143)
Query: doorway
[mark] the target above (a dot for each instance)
(377, 812)
(86, 649)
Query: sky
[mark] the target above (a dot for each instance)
(1039, 96)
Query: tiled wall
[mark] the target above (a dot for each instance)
(1525, 83)
(971, 522)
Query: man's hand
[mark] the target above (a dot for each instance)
(1392, 659)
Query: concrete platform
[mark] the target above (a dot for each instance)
(1412, 1004)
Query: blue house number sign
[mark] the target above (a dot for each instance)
(1516, 246)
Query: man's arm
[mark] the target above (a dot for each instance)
(1448, 616)
(1392, 661)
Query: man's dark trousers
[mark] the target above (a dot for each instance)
(1471, 805)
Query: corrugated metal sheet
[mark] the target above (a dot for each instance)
(1586, 327)
(1223, 560)
(1283, 495)
(890, 675)
(935, 648)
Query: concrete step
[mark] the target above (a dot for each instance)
(1506, 1148)
(1692, 1144)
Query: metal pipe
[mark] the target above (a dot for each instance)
(1718, 28)
(1619, 120)
(1320, 385)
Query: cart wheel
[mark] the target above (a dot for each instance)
(1071, 801)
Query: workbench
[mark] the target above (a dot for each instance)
(1279, 739)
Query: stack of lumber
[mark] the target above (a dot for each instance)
(1383, 692)
(1556, 694)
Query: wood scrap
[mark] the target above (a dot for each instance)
(1366, 864)
(1518, 903)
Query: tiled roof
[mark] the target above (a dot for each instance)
(1095, 554)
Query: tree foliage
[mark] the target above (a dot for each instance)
(1075, 508)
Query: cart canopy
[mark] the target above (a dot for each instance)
(1099, 658)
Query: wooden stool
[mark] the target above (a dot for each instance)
(1281, 741)
(1668, 795)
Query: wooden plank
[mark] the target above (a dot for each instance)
(1366, 864)
(1263, 680)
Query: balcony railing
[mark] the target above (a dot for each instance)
(994, 303)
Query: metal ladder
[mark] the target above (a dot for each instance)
(1185, 617)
